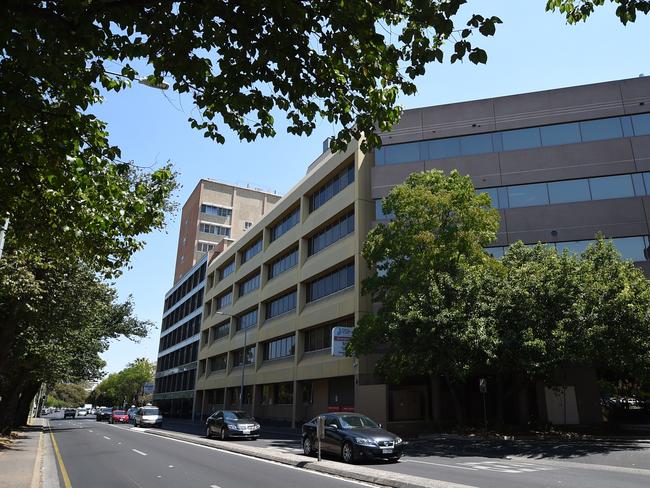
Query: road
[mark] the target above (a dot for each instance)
(621, 464)
(98, 455)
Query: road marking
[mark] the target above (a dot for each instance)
(107, 438)
(215, 486)
(139, 452)
(64, 472)
(440, 464)
(89, 430)
(119, 443)
(171, 465)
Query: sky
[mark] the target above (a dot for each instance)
(532, 50)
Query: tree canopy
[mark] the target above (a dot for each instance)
(127, 385)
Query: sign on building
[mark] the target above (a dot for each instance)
(340, 338)
(148, 388)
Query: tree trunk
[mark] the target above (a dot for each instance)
(500, 402)
(26, 397)
(9, 406)
(458, 408)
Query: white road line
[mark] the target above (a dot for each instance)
(439, 464)
(89, 430)
(108, 438)
(171, 465)
(139, 452)
(215, 486)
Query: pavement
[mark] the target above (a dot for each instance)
(29, 461)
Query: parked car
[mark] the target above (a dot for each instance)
(148, 415)
(81, 412)
(232, 423)
(69, 412)
(119, 417)
(103, 413)
(354, 437)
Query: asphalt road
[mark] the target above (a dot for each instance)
(98, 455)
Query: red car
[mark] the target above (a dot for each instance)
(119, 417)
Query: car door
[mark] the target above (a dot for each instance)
(333, 436)
(218, 422)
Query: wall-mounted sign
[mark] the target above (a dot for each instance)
(340, 338)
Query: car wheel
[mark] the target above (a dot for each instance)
(347, 452)
(208, 433)
(224, 434)
(394, 459)
(307, 446)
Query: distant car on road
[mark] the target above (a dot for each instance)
(118, 417)
(69, 412)
(354, 437)
(148, 415)
(131, 413)
(81, 412)
(103, 413)
(232, 423)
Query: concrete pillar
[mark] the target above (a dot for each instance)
(294, 409)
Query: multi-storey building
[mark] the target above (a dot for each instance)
(560, 165)
(214, 216)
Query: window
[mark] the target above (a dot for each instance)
(280, 348)
(527, 195)
(224, 300)
(478, 144)
(611, 187)
(307, 388)
(403, 153)
(641, 124)
(220, 331)
(569, 191)
(332, 187)
(281, 305)
(444, 148)
(633, 248)
(319, 338)
(379, 211)
(215, 210)
(247, 320)
(252, 250)
(521, 139)
(214, 229)
(283, 393)
(249, 285)
(331, 283)
(228, 269)
(574, 247)
(283, 263)
(596, 130)
(217, 363)
(556, 135)
(494, 195)
(332, 233)
(238, 356)
(248, 225)
(285, 224)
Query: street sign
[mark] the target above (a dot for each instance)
(340, 338)
(148, 388)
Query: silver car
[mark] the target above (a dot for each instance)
(148, 416)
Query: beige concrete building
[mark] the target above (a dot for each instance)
(215, 215)
(560, 165)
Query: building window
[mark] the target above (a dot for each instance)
(307, 388)
(224, 300)
(248, 225)
(332, 187)
(247, 320)
(285, 224)
(283, 393)
(214, 229)
(252, 250)
(215, 210)
(283, 263)
(238, 356)
(228, 269)
(253, 283)
(280, 348)
(320, 338)
(379, 211)
(335, 281)
(217, 363)
(281, 305)
(220, 331)
(332, 233)
(204, 246)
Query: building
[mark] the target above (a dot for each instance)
(560, 165)
(214, 216)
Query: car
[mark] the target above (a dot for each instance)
(103, 413)
(353, 437)
(118, 417)
(148, 415)
(69, 412)
(131, 412)
(232, 423)
(81, 412)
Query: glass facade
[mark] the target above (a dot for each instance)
(215, 210)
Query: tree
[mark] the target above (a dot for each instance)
(69, 394)
(430, 267)
(579, 10)
(126, 385)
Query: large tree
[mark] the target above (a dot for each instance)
(126, 386)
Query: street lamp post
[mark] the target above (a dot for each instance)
(243, 366)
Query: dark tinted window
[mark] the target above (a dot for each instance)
(379, 212)
(555, 135)
(403, 153)
(568, 191)
(520, 139)
(283, 263)
(641, 124)
(331, 233)
(252, 250)
(280, 348)
(247, 320)
(494, 195)
(611, 187)
(595, 130)
(631, 247)
(331, 283)
(281, 305)
(285, 224)
(527, 195)
(444, 148)
(478, 144)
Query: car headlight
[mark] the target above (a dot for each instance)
(364, 442)
(398, 440)
(232, 426)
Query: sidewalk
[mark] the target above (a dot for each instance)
(28, 462)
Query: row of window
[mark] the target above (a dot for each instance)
(253, 283)
(184, 355)
(215, 210)
(188, 285)
(332, 233)
(214, 229)
(511, 140)
(239, 356)
(176, 382)
(337, 280)
(224, 300)
(183, 310)
(332, 187)
(281, 305)
(227, 270)
(285, 224)
(185, 331)
(252, 250)
(634, 248)
(204, 246)
(283, 263)
(247, 320)
(280, 348)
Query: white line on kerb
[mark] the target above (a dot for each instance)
(107, 438)
(139, 452)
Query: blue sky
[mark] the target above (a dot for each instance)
(532, 50)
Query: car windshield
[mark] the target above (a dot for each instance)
(353, 421)
(237, 416)
(119, 412)
(106, 410)
(150, 411)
